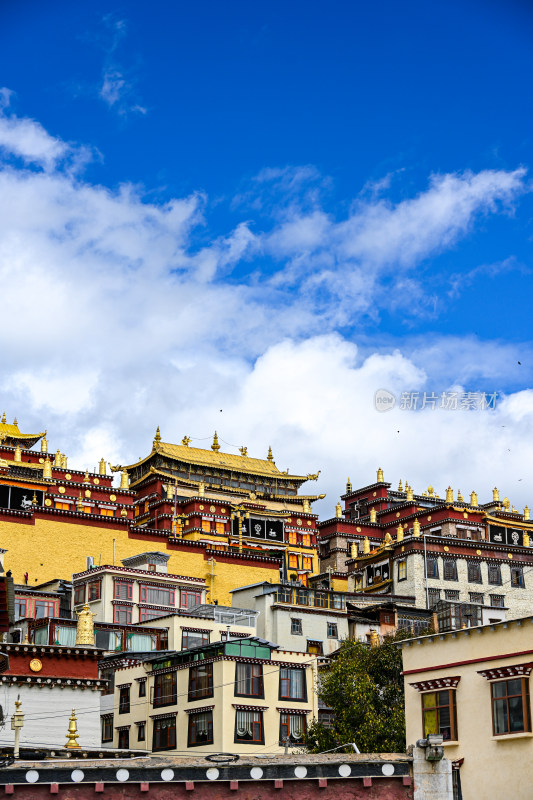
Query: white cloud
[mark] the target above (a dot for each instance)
(114, 320)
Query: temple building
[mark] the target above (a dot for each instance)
(440, 552)
(227, 519)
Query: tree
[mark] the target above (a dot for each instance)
(364, 687)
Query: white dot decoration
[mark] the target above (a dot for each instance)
(256, 773)
(32, 776)
(122, 775)
(387, 770)
(300, 772)
(167, 774)
(345, 770)
(77, 775)
(212, 774)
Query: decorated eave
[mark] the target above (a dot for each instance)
(11, 436)
(364, 489)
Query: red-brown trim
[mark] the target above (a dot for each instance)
(469, 661)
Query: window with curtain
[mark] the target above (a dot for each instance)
(65, 635)
(20, 609)
(122, 615)
(40, 636)
(249, 727)
(439, 714)
(189, 598)
(123, 590)
(292, 684)
(200, 681)
(292, 728)
(249, 680)
(94, 589)
(158, 595)
(79, 594)
(165, 689)
(151, 613)
(108, 640)
(200, 729)
(164, 737)
(141, 641)
(190, 639)
(44, 608)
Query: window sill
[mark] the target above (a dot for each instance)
(451, 743)
(505, 736)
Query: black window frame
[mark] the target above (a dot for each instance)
(191, 727)
(495, 574)
(332, 630)
(163, 693)
(239, 739)
(434, 571)
(193, 692)
(256, 681)
(449, 569)
(124, 700)
(170, 738)
(299, 625)
(474, 572)
(517, 577)
(141, 732)
(107, 729)
(284, 735)
(124, 739)
(284, 676)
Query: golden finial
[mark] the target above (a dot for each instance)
(460, 498)
(18, 454)
(399, 533)
(388, 538)
(72, 733)
(79, 503)
(424, 494)
(373, 515)
(64, 460)
(409, 493)
(201, 489)
(495, 495)
(15, 421)
(449, 495)
(416, 528)
(85, 627)
(506, 503)
(4, 418)
(185, 441)
(123, 512)
(380, 475)
(57, 459)
(430, 491)
(215, 446)
(338, 511)
(157, 438)
(243, 451)
(34, 499)
(366, 545)
(374, 639)
(348, 485)
(400, 487)
(514, 511)
(124, 480)
(86, 478)
(270, 457)
(47, 468)
(26, 639)
(306, 505)
(102, 470)
(44, 444)
(353, 550)
(527, 513)
(525, 539)
(473, 499)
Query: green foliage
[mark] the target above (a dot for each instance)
(364, 688)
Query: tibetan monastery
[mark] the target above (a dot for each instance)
(230, 519)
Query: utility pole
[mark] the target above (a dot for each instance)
(17, 722)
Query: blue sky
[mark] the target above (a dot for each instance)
(274, 209)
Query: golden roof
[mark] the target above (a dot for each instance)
(217, 459)
(12, 431)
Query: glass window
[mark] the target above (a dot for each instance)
(107, 729)
(476, 597)
(20, 608)
(124, 700)
(306, 541)
(200, 681)
(122, 615)
(517, 577)
(497, 600)
(141, 732)
(432, 565)
(296, 626)
(402, 569)
(200, 729)
(123, 590)
(451, 594)
(189, 598)
(150, 613)
(158, 595)
(434, 596)
(438, 709)
(249, 680)
(107, 640)
(65, 635)
(510, 706)
(474, 572)
(292, 728)
(165, 690)
(333, 631)
(449, 569)
(249, 727)
(44, 608)
(79, 594)
(495, 574)
(164, 737)
(94, 589)
(141, 642)
(124, 740)
(190, 639)
(292, 684)
(142, 688)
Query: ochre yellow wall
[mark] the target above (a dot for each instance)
(52, 548)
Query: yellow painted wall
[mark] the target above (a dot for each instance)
(53, 548)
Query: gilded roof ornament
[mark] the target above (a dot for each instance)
(388, 538)
(409, 493)
(86, 478)
(79, 503)
(525, 539)
(373, 515)
(353, 550)
(102, 467)
(64, 460)
(473, 499)
(400, 487)
(270, 457)
(18, 454)
(449, 495)
(124, 480)
(215, 446)
(314, 476)
(416, 528)
(85, 627)
(186, 441)
(380, 475)
(201, 489)
(57, 459)
(348, 485)
(495, 495)
(527, 514)
(47, 468)
(366, 545)
(4, 418)
(15, 421)
(72, 733)
(506, 503)
(157, 438)
(338, 511)
(460, 498)
(243, 451)
(430, 491)
(399, 533)
(306, 505)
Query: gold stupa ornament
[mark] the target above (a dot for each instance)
(400, 487)
(47, 468)
(506, 503)
(495, 495)
(102, 467)
(270, 457)
(64, 461)
(399, 533)
(215, 446)
(409, 493)
(366, 545)
(449, 495)
(373, 515)
(353, 550)
(460, 498)
(338, 511)
(18, 454)
(473, 499)
(85, 628)
(57, 459)
(527, 513)
(416, 528)
(72, 733)
(348, 485)
(124, 480)
(157, 437)
(44, 444)
(380, 475)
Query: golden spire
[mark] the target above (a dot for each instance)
(353, 550)
(525, 539)
(527, 513)
(124, 480)
(26, 639)
(306, 506)
(72, 733)
(215, 446)
(157, 438)
(366, 545)
(373, 515)
(460, 498)
(185, 441)
(63, 461)
(85, 627)
(338, 511)
(416, 528)
(400, 487)
(15, 421)
(57, 459)
(348, 485)
(18, 454)
(34, 499)
(270, 457)
(495, 495)
(380, 475)
(473, 499)
(79, 503)
(4, 418)
(102, 467)
(243, 451)
(44, 444)
(47, 468)
(399, 533)
(409, 493)
(449, 495)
